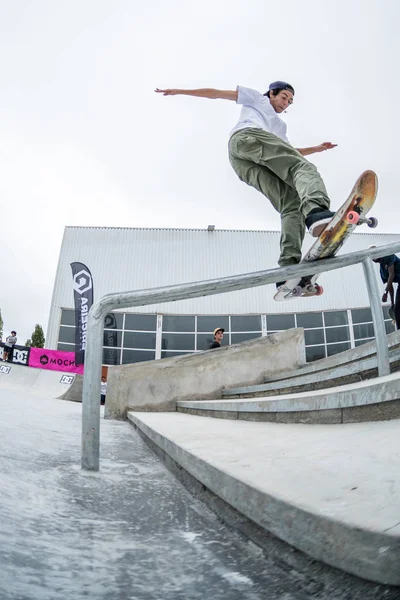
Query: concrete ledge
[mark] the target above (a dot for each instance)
(371, 400)
(157, 385)
(340, 507)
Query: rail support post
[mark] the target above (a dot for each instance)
(382, 350)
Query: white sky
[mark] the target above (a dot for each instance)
(84, 140)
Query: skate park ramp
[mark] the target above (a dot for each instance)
(38, 382)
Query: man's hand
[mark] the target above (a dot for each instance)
(389, 290)
(313, 149)
(325, 146)
(167, 92)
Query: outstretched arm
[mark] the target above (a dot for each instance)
(389, 285)
(201, 93)
(314, 149)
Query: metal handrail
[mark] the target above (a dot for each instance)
(109, 302)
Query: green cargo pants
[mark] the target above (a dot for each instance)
(291, 183)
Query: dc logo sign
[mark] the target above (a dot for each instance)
(4, 370)
(67, 379)
(82, 282)
(20, 356)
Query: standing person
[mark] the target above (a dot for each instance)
(218, 337)
(390, 274)
(103, 390)
(10, 342)
(262, 156)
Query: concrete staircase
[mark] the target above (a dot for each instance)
(340, 389)
(277, 454)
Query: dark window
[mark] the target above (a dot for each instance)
(66, 347)
(361, 315)
(134, 356)
(67, 334)
(140, 340)
(389, 327)
(236, 338)
(140, 322)
(172, 323)
(280, 322)
(166, 354)
(337, 334)
(309, 320)
(363, 331)
(335, 348)
(111, 356)
(314, 336)
(67, 317)
(361, 342)
(176, 341)
(246, 323)
(113, 321)
(315, 353)
(338, 317)
(112, 338)
(209, 323)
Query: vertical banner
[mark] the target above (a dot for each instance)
(83, 298)
(110, 340)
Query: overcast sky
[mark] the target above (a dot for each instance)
(84, 140)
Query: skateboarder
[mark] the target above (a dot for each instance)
(390, 274)
(262, 157)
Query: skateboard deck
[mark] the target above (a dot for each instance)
(349, 216)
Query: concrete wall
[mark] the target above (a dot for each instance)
(158, 385)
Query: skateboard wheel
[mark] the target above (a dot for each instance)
(352, 217)
(372, 222)
(297, 291)
(320, 290)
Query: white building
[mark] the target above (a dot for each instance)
(122, 259)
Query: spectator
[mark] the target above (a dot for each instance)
(390, 274)
(218, 337)
(10, 342)
(103, 390)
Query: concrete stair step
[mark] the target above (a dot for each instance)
(328, 491)
(346, 357)
(333, 376)
(370, 400)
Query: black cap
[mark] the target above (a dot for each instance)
(281, 85)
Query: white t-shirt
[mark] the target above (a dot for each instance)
(103, 388)
(11, 340)
(258, 112)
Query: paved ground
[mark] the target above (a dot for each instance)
(131, 531)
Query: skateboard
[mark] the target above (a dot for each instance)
(349, 216)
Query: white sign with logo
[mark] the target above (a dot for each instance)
(68, 379)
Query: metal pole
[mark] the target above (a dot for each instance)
(91, 390)
(382, 350)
